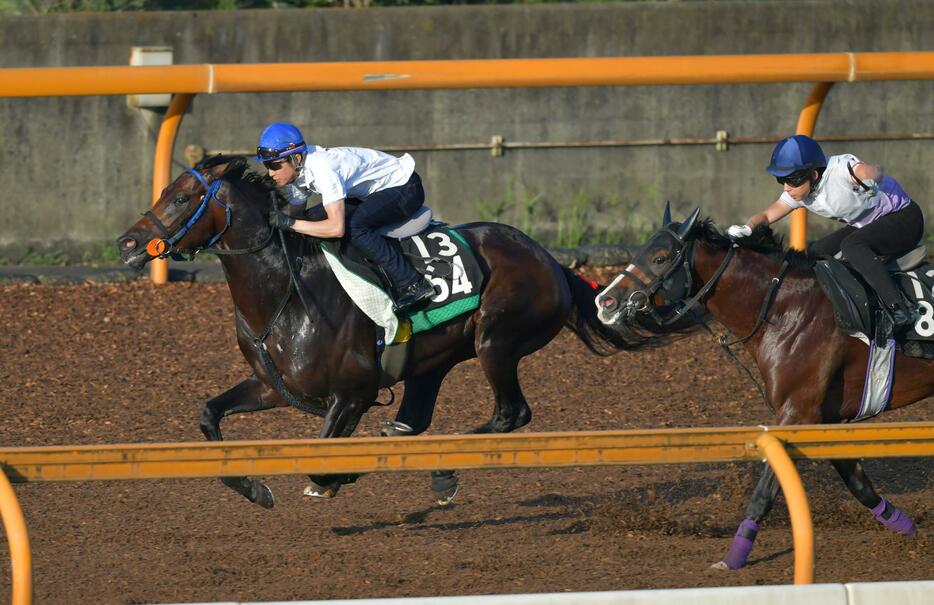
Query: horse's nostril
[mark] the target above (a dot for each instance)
(608, 303)
(127, 244)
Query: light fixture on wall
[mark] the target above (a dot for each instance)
(150, 55)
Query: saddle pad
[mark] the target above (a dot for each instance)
(441, 254)
(373, 301)
(878, 386)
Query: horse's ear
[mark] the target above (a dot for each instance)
(687, 224)
(666, 218)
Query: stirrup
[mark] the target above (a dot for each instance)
(394, 428)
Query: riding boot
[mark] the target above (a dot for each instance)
(413, 296)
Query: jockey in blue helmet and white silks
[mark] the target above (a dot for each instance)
(882, 220)
(361, 190)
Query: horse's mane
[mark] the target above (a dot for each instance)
(763, 240)
(237, 173)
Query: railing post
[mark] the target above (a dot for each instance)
(806, 121)
(801, 528)
(20, 557)
(162, 165)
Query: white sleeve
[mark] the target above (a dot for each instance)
(327, 181)
(790, 201)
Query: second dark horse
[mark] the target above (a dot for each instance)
(327, 353)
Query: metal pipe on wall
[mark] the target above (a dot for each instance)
(194, 153)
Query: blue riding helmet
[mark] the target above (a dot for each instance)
(280, 139)
(795, 154)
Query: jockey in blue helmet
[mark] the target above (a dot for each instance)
(882, 220)
(361, 190)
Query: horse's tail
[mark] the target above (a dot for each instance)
(584, 322)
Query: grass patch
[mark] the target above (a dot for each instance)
(60, 254)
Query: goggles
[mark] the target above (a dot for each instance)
(273, 164)
(795, 179)
(271, 153)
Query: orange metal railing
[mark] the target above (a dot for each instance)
(20, 556)
(481, 73)
(289, 457)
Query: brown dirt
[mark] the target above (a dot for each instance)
(134, 363)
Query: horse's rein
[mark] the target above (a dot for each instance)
(763, 312)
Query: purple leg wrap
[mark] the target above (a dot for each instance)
(898, 522)
(742, 544)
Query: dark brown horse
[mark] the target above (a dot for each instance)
(322, 349)
(812, 371)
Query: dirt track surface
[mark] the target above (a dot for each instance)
(133, 363)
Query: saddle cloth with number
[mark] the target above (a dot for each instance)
(439, 253)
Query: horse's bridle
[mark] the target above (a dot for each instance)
(673, 285)
(165, 246)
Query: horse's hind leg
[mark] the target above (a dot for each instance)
(886, 513)
(763, 498)
(244, 397)
(510, 409)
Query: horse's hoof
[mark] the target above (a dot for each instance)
(320, 491)
(444, 485)
(265, 497)
(720, 566)
(898, 520)
(447, 498)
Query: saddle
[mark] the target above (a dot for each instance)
(437, 252)
(859, 312)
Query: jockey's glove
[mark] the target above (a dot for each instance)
(736, 231)
(280, 220)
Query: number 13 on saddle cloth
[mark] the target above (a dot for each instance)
(440, 253)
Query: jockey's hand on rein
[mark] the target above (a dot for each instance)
(280, 220)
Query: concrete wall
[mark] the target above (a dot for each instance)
(80, 169)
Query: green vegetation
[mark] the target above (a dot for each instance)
(584, 218)
(47, 7)
(61, 254)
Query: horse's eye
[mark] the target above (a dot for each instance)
(658, 260)
(181, 201)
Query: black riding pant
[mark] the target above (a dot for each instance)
(889, 236)
(363, 217)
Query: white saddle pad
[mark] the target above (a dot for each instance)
(374, 303)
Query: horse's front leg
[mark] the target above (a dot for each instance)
(759, 506)
(341, 420)
(800, 407)
(886, 513)
(249, 396)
